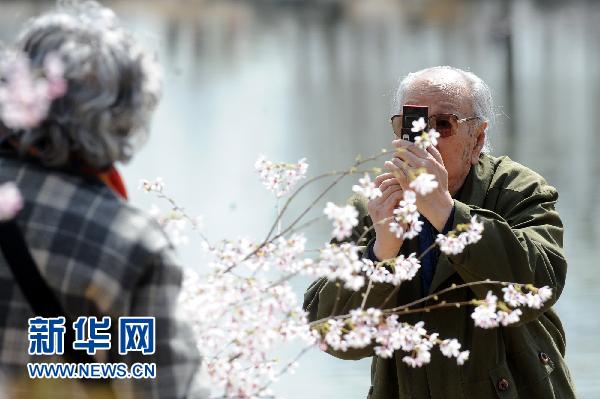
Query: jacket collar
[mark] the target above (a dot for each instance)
(473, 192)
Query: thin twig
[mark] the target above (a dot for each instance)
(451, 288)
(305, 225)
(178, 208)
(352, 170)
(372, 227)
(286, 368)
(440, 305)
(308, 208)
(337, 299)
(268, 240)
(434, 296)
(366, 294)
(395, 290)
(387, 299)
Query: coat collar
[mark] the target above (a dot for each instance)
(473, 192)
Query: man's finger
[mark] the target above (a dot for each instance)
(384, 195)
(412, 160)
(381, 178)
(392, 201)
(436, 154)
(389, 191)
(410, 146)
(388, 182)
(398, 172)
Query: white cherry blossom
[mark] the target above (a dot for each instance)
(419, 125)
(450, 348)
(462, 358)
(367, 188)
(280, 178)
(453, 244)
(513, 297)
(427, 139)
(507, 318)
(148, 186)
(406, 223)
(341, 262)
(424, 183)
(545, 293)
(397, 229)
(344, 219)
(533, 300)
(405, 268)
(485, 315)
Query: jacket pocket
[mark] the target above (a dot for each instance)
(517, 373)
(530, 367)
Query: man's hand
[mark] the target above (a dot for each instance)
(437, 205)
(381, 210)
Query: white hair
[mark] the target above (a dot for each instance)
(481, 95)
(113, 86)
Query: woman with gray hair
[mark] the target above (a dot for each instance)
(78, 248)
(113, 87)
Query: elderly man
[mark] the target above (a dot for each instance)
(522, 242)
(78, 248)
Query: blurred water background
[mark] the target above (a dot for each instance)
(315, 79)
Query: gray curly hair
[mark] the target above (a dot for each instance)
(113, 86)
(480, 94)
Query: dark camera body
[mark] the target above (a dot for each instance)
(412, 113)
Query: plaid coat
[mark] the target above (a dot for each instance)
(101, 257)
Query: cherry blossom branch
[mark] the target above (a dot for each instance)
(372, 227)
(283, 279)
(285, 207)
(314, 202)
(453, 287)
(181, 210)
(286, 368)
(440, 305)
(294, 194)
(395, 290)
(343, 174)
(390, 296)
(366, 294)
(401, 309)
(337, 299)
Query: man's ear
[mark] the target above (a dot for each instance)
(478, 145)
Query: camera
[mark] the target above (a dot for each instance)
(411, 113)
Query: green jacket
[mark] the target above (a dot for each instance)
(522, 242)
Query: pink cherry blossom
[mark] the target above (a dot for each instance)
(148, 186)
(26, 95)
(507, 318)
(11, 201)
(418, 125)
(405, 268)
(344, 219)
(427, 139)
(406, 223)
(453, 244)
(485, 315)
(367, 188)
(424, 183)
(280, 178)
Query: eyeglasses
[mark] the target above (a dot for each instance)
(445, 124)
